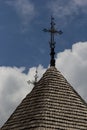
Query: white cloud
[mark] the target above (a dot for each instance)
(14, 87)
(68, 8)
(73, 64)
(24, 8)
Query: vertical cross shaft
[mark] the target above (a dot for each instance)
(36, 76)
(52, 43)
(52, 32)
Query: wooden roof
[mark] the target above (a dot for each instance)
(53, 104)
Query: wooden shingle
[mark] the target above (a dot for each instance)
(53, 104)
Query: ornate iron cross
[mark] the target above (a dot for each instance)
(52, 43)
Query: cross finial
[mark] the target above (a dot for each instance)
(36, 77)
(52, 32)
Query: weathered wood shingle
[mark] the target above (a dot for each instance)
(52, 105)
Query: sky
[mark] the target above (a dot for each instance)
(24, 46)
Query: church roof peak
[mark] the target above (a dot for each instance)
(52, 104)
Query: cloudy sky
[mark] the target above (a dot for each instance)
(24, 46)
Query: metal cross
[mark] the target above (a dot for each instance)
(52, 32)
(35, 81)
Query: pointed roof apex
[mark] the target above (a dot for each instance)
(52, 105)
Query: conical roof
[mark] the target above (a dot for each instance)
(53, 104)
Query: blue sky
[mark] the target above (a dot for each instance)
(25, 47)
(22, 41)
